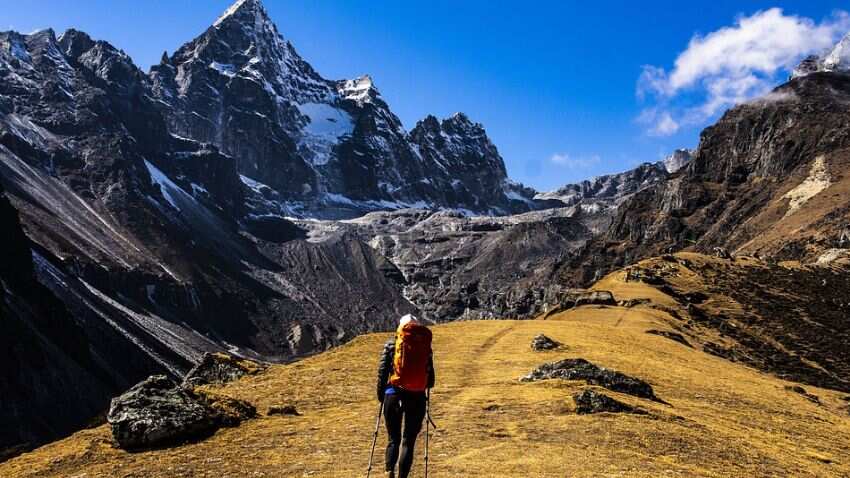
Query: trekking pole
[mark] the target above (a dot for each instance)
(375, 439)
(427, 426)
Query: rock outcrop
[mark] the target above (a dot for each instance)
(580, 369)
(157, 412)
(572, 298)
(289, 410)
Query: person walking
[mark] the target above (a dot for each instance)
(405, 373)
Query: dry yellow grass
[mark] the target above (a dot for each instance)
(724, 419)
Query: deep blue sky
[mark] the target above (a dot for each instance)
(544, 77)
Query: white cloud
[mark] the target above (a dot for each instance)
(732, 65)
(582, 162)
(658, 122)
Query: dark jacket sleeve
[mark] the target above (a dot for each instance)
(385, 367)
(431, 378)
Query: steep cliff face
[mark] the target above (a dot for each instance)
(54, 378)
(326, 148)
(768, 178)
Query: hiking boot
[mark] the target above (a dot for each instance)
(389, 474)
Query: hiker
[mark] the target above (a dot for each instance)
(405, 372)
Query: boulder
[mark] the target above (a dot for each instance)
(581, 369)
(157, 412)
(217, 368)
(590, 401)
(541, 342)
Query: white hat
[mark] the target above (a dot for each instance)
(407, 319)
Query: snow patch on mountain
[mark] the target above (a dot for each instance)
(677, 160)
(166, 185)
(837, 60)
(225, 69)
(357, 89)
(231, 11)
(325, 127)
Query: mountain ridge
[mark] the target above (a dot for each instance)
(322, 145)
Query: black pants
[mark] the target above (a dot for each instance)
(410, 408)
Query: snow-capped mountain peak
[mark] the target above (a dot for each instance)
(837, 60)
(240, 9)
(677, 160)
(321, 144)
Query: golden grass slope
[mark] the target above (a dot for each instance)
(724, 419)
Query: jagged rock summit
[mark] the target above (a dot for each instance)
(320, 147)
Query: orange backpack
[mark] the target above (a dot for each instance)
(412, 355)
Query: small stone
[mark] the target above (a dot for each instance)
(590, 401)
(541, 342)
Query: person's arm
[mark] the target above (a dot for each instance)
(384, 367)
(431, 378)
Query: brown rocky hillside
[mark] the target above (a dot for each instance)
(717, 414)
